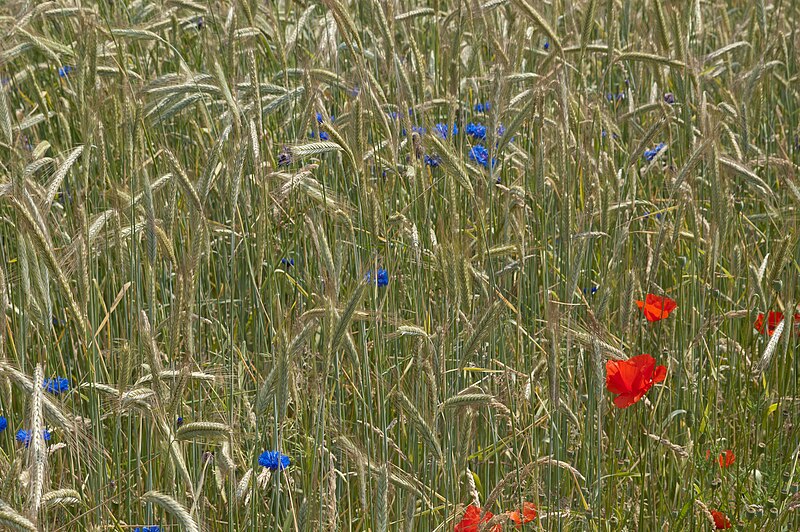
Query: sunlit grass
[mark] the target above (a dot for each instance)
(197, 199)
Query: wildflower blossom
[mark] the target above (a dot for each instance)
(472, 520)
(322, 135)
(419, 130)
(199, 22)
(432, 160)
(321, 119)
(480, 155)
(56, 385)
(287, 262)
(721, 521)
(669, 98)
(482, 107)
(442, 130)
(24, 436)
(726, 458)
(546, 45)
(773, 319)
(274, 461)
(592, 290)
(382, 278)
(656, 308)
(152, 528)
(631, 379)
(528, 514)
(179, 421)
(3, 423)
(476, 130)
(64, 71)
(649, 155)
(285, 157)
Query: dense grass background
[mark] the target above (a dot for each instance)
(150, 191)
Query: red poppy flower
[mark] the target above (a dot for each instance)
(721, 522)
(472, 520)
(528, 514)
(656, 307)
(632, 378)
(773, 319)
(726, 458)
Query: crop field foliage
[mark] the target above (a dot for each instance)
(233, 227)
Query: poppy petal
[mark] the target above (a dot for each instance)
(656, 307)
(613, 379)
(529, 512)
(625, 400)
(644, 363)
(721, 521)
(660, 374)
(471, 519)
(621, 376)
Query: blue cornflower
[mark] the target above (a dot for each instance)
(592, 290)
(480, 155)
(482, 107)
(64, 71)
(501, 130)
(355, 91)
(287, 262)
(3, 423)
(322, 135)
(476, 130)
(669, 98)
(274, 460)
(419, 130)
(56, 385)
(179, 421)
(382, 278)
(546, 45)
(392, 114)
(199, 22)
(24, 436)
(432, 160)
(321, 118)
(285, 157)
(153, 528)
(649, 155)
(441, 130)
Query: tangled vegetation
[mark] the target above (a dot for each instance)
(399, 265)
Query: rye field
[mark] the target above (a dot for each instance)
(416, 265)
